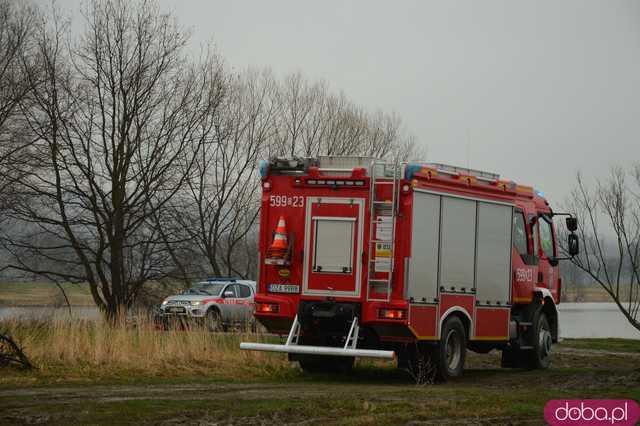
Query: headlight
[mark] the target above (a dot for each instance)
(164, 302)
(196, 303)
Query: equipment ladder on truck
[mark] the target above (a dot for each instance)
(382, 229)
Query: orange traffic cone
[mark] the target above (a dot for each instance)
(279, 246)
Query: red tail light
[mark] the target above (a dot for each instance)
(396, 314)
(267, 308)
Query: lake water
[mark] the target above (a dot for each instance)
(594, 320)
(576, 319)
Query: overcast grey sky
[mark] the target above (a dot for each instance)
(532, 90)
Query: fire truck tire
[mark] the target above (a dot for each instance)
(326, 364)
(213, 321)
(449, 355)
(540, 356)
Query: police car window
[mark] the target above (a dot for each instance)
(546, 238)
(520, 234)
(245, 291)
(205, 289)
(232, 288)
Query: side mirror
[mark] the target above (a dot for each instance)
(228, 293)
(572, 224)
(573, 244)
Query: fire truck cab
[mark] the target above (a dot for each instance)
(363, 258)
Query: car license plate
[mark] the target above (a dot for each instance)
(176, 310)
(284, 288)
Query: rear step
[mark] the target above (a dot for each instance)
(292, 346)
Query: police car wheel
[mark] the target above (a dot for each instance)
(253, 325)
(213, 320)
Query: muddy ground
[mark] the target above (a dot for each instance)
(376, 394)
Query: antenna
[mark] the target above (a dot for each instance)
(468, 147)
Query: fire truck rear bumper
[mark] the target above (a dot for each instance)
(317, 350)
(292, 346)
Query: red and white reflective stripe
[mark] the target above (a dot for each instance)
(227, 301)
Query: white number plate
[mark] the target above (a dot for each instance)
(284, 288)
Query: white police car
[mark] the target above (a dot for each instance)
(218, 302)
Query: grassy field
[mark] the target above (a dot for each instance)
(611, 345)
(43, 294)
(93, 374)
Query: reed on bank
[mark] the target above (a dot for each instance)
(76, 348)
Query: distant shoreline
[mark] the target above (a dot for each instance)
(22, 305)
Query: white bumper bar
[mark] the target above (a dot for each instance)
(292, 346)
(317, 350)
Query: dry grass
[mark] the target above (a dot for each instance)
(80, 349)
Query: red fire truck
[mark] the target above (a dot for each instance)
(362, 258)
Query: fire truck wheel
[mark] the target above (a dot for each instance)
(213, 320)
(326, 364)
(540, 356)
(449, 355)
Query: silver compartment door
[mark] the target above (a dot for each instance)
(457, 243)
(493, 261)
(425, 241)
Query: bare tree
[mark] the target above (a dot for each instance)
(118, 127)
(311, 121)
(348, 129)
(571, 283)
(259, 118)
(142, 165)
(407, 148)
(219, 208)
(296, 98)
(609, 218)
(317, 121)
(17, 23)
